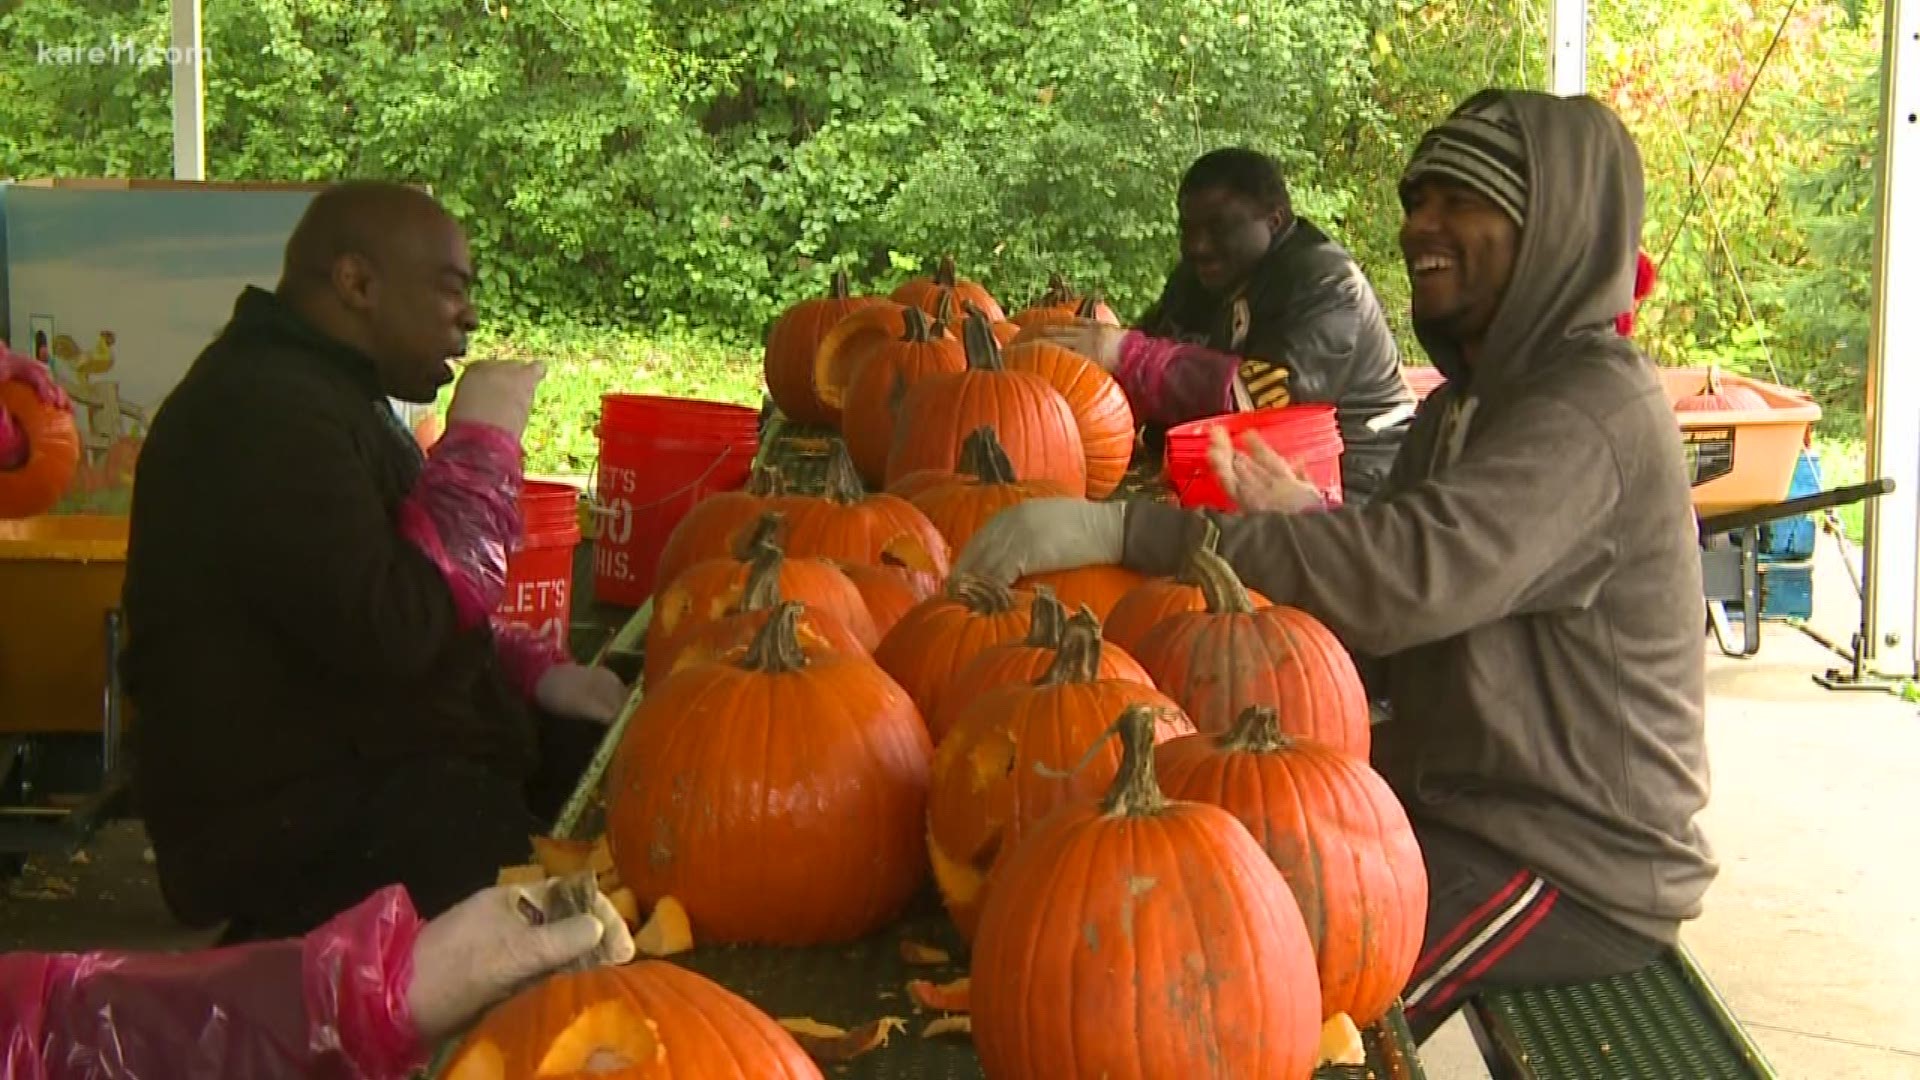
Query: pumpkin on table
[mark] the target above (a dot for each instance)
(651, 1019)
(1100, 408)
(853, 339)
(780, 798)
(1098, 587)
(889, 591)
(792, 343)
(946, 285)
(847, 523)
(1133, 936)
(1033, 422)
(1060, 304)
(1217, 661)
(1715, 396)
(983, 484)
(53, 453)
(1019, 751)
(1337, 833)
(1025, 660)
(931, 643)
(715, 523)
(1151, 602)
(731, 635)
(870, 412)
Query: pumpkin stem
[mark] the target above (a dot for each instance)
(1058, 292)
(766, 530)
(981, 596)
(1089, 306)
(943, 317)
(920, 329)
(762, 590)
(1257, 731)
(841, 289)
(1136, 790)
(946, 275)
(776, 648)
(1221, 587)
(983, 349)
(1078, 658)
(983, 458)
(1049, 619)
(1206, 538)
(843, 486)
(1713, 381)
(766, 481)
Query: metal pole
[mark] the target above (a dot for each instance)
(1893, 379)
(1567, 56)
(189, 92)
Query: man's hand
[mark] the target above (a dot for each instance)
(582, 692)
(498, 393)
(17, 368)
(1096, 341)
(1257, 478)
(1046, 534)
(483, 949)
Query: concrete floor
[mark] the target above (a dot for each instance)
(1812, 932)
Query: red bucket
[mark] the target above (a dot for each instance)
(1307, 435)
(539, 593)
(658, 457)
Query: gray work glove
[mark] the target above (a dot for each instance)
(1046, 534)
(498, 393)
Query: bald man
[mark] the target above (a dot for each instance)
(322, 704)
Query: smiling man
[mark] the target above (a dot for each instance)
(323, 705)
(1531, 570)
(1262, 310)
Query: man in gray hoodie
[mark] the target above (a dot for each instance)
(1531, 570)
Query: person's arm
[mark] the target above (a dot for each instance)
(1311, 336)
(525, 657)
(1514, 526)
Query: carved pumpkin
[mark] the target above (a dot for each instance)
(1060, 304)
(1339, 836)
(1034, 423)
(854, 338)
(653, 1018)
(889, 591)
(1025, 660)
(714, 525)
(945, 284)
(959, 503)
(1218, 661)
(53, 453)
(1097, 588)
(871, 409)
(781, 799)
(847, 523)
(1017, 752)
(732, 634)
(931, 643)
(791, 346)
(1146, 605)
(1133, 935)
(708, 590)
(1100, 408)
(1715, 396)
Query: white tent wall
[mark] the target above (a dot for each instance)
(1893, 386)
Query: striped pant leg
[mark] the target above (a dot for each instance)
(1469, 938)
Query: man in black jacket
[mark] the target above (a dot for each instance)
(323, 707)
(1263, 310)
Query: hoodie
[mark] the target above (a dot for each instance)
(1531, 568)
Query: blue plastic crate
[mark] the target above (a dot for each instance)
(1786, 591)
(1793, 538)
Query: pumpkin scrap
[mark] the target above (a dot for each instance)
(1340, 1042)
(830, 1045)
(955, 996)
(560, 857)
(668, 930)
(948, 1025)
(521, 875)
(627, 905)
(914, 952)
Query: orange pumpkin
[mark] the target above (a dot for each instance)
(1339, 836)
(945, 284)
(1034, 423)
(1218, 661)
(791, 346)
(729, 636)
(1097, 588)
(781, 799)
(871, 409)
(889, 591)
(1025, 660)
(1060, 304)
(652, 1019)
(1017, 752)
(1146, 605)
(715, 523)
(1715, 396)
(959, 503)
(854, 338)
(931, 643)
(709, 590)
(1100, 409)
(1132, 935)
(846, 523)
(53, 453)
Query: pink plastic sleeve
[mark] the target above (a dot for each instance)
(330, 1004)
(13, 443)
(1171, 382)
(464, 514)
(524, 656)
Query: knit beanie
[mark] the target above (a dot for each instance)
(1480, 146)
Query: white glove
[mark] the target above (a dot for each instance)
(582, 692)
(483, 949)
(496, 392)
(1257, 478)
(1046, 534)
(1096, 341)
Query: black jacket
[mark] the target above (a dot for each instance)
(281, 632)
(1311, 331)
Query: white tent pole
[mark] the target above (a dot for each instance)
(189, 92)
(1567, 57)
(1893, 357)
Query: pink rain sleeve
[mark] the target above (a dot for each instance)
(524, 656)
(1171, 382)
(331, 1004)
(464, 514)
(13, 443)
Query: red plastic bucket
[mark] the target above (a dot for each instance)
(539, 593)
(1307, 435)
(658, 457)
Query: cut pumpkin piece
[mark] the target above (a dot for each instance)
(481, 1061)
(915, 952)
(830, 1045)
(1340, 1042)
(521, 875)
(607, 1037)
(668, 930)
(561, 857)
(955, 996)
(948, 1025)
(627, 905)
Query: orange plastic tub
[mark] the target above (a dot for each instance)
(1745, 458)
(59, 575)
